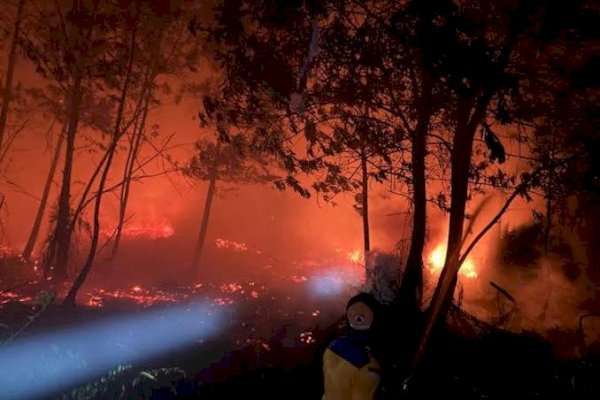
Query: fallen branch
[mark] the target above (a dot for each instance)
(46, 299)
(502, 291)
(518, 190)
(18, 286)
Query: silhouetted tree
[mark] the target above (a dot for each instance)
(37, 223)
(10, 70)
(233, 158)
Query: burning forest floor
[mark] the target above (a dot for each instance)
(267, 342)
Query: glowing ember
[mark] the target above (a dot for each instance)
(230, 244)
(307, 337)
(136, 294)
(223, 301)
(155, 230)
(9, 297)
(94, 302)
(231, 288)
(298, 278)
(438, 256)
(355, 257)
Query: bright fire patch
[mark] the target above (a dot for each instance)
(355, 257)
(237, 247)
(438, 256)
(157, 230)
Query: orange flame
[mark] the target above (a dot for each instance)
(237, 247)
(438, 256)
(355, 257)
(151, 230)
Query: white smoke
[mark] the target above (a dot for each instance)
(383, 275)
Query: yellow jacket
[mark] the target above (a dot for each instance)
(350, 372)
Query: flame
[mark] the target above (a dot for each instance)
(151, 230)
(237, 247)
(10, 296)
(438, 256)
(355, 257)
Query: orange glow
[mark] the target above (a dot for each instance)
(438, 256)
(355, 257)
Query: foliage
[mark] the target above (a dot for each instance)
(124, 382)
(518, 246)
(115, 385)
(236, 160)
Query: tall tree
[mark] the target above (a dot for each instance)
(232, 159)
(67, 50)
(210, 194)
(486, 74)
(37, 223)
(167, 50)
(10, 70)
(142, 31)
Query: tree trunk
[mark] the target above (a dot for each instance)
(411, 289)
(547, 234)
(462, 148)
(128, 173)
(117, 133)
(12, 56)
(63, 221)
(210, 193)
(365, 199)
(137, 139)
(35, 230)
(83, 200)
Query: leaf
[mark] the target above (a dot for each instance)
(310, 131)
(492, 142)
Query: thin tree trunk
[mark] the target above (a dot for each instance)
(128, 173)
(210, 193)
(365, 198)
(411, 289)
(547, 231)
(83, 201)
(71, 296)
(462, 149)
(35, 230)
(137, 140)
(12, 56)
(63, 231)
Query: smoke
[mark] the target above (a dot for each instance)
(383, 275)
(334, 282)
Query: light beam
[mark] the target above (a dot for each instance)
(45, 364)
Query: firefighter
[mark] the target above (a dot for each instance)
(349, 368)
